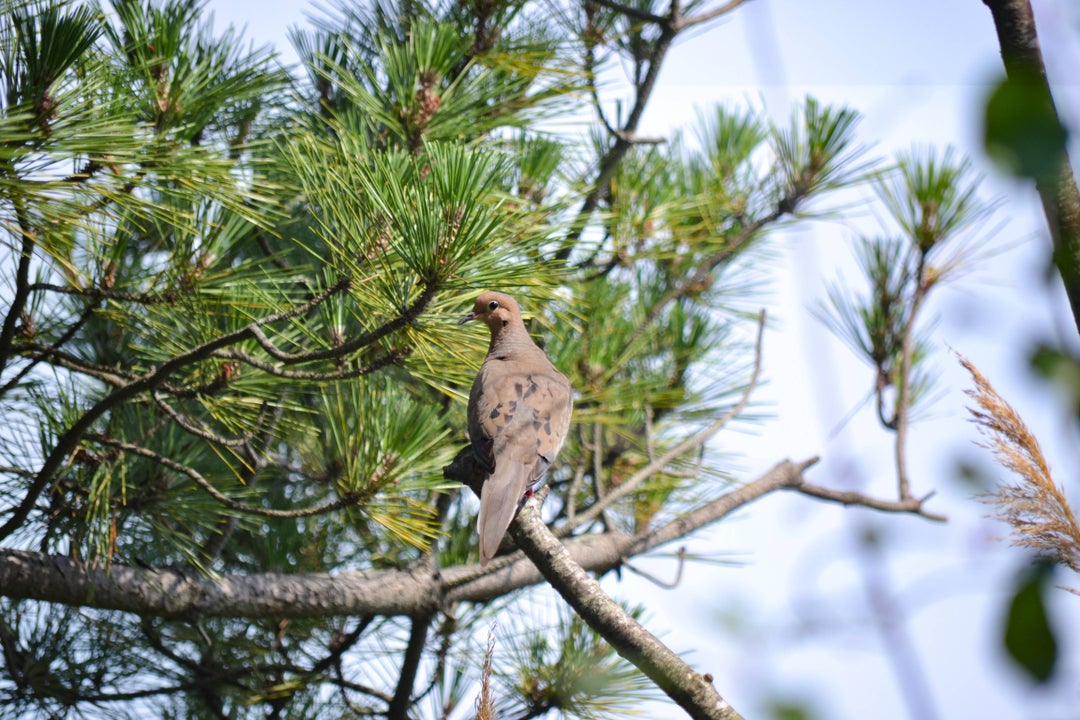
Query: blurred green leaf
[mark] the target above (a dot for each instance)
(1022, 131)
(790, 709)
(1029, 637)
(1060, 368)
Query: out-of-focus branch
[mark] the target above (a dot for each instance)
(911, 505)
(700, 277)
(902, 415)
(414, 653)
(692, 20)
(1020, 51)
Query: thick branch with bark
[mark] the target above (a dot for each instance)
(694, 692)
(169, 592)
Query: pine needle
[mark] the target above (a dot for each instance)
(1035, 507)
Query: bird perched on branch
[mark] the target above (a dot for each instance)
(519, 412)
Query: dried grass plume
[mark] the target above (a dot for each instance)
(485, 701)
(1034, 507)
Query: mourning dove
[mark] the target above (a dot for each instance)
(519, 412)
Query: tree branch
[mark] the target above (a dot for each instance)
(175, 593)
(688, 22)
(632, 12)
(391, 358)
(902, 415)
(70, 438)
(693, 692)
(22, 280)
(1015, 24)
(610, 162)
(172, 593)
(414, 653)
(850, 497)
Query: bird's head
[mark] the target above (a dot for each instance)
(496, 310)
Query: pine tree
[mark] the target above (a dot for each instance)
(232, 384)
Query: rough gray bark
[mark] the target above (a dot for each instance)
(173, 593)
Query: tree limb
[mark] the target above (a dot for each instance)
(1015, 24)
(688, 22)
(172, 593)
(693, 692)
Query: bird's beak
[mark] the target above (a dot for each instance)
(467, 318)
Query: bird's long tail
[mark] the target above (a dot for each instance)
(500, 497)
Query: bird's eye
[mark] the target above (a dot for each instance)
(492, 305)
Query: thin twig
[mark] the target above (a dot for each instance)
(902, 415)
(911, 505)
(390, 358)
(195, 428)
(691, 443)
(632, 12)
(406, 316)
(701, 275)
(209, 489)
(688, 22)
(69, 332)
(67, 441)
(117, 377)
(681, 555)
(22, 280)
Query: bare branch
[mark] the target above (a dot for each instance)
(173, 593)
(197, 429)
(1022, 56)
(692, 691)
(96, 294)
(688, 22)
(69, 332)
(902, 415)
(117, 377)
(614, 155)
(911, 505)
(704, 270)
(390, 358)
(414, 653)
(406, 316)
(632, 12)
(22, 282)
(681, 555)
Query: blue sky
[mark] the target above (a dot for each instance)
(918, 71)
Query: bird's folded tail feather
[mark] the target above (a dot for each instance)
(500, 497)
